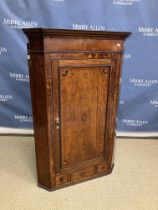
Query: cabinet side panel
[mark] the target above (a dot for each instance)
(39, 108)
(117, 64)
(112, 106)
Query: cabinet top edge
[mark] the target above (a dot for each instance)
(39, 32)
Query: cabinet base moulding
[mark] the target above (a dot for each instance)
(68, 184)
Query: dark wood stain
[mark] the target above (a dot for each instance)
(74, 80)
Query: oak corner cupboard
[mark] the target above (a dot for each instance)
(74, 78)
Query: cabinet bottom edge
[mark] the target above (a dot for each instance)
(77, 181)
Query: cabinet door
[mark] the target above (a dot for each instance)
(80, 94)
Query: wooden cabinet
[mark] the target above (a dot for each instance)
(74, 77)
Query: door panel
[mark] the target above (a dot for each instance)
(83, 104)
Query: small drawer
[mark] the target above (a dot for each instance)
(83, 173)
(61, 179)
(102, 167)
